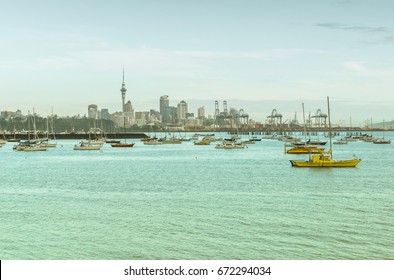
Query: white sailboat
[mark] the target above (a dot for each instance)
(381, 140)
(34, 145)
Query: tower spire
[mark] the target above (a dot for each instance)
(123, 76)
(123, 93)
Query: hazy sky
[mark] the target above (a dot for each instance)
(257, 55)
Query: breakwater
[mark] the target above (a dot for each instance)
(70, 136)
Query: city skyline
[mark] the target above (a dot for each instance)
(256, 55)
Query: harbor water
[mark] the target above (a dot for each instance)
(184, 201)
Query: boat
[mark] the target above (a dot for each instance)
(306, 149)
(87, 146)
(310, 143)
(202, 142)
(211, 138)
(341, 142)
(48, 145)
(303, 147)
(381, 140)
(369, 138)
(289, 139)
(122, 145)
(152, 141)
(112, 141)
(230, 145)
(316, 142)
(254, 138)
(351, 138)
(46, 142)
(30, 148)
(325, 160)
(270, 136)
(31, 145)
(170, 140)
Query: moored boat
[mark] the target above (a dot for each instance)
(122, 145)
(153, 141)
(230, 145)
(341, 142)
(112, 141)
(381, 141)
(325, 160)
(86, 146)
(306, 149)
(29, 146)
(202, 142)
(171, 140)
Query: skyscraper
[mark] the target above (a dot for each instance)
(182, 110)
(92, 111)
(164, 103)
(123, 91)
(201, 112)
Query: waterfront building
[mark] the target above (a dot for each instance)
(154, 116)
(141, 118)
(118, 119)
(182, 110)
(201, 112)
(164, 103)
(129, 114)
(92, 111)
(169, 114)
(7, 114)
(105, 114)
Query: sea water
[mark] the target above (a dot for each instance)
(184, 201)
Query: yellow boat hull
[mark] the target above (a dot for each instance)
(325, 161)
(304, 151)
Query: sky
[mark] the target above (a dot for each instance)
(258, 55)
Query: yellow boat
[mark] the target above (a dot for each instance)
(324, 161)
(304, 150)
(202, 142)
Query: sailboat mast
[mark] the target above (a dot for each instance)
(329, 124)
(303, 115)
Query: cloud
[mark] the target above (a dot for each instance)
(341, 26)
(149, 58)
(344, 2)
(356, 67)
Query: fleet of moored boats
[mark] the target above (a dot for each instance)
(318, 157)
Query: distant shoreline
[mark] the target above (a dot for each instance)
(142, 134)
(71, 136)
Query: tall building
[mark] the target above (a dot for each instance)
(123, 92)
(182, 110)
(129, 113)
(105, 114)
(92, 111)
(201, 112)
(164, 103)
(169, 114)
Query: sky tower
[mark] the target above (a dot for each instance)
(123, 91)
